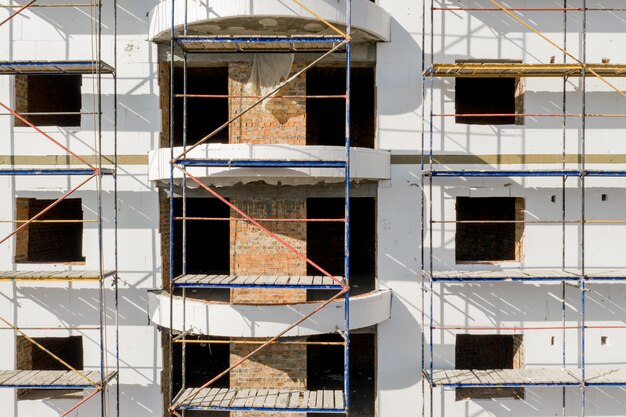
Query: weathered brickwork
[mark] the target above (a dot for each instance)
(278, 121)
(21, 238)
(252, 251)
(278, 366)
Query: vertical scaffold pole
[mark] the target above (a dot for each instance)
(346, 376)
(171, 209)
(115, 219)
(583, 150)
(101, 306)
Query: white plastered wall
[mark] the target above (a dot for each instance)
(64, 34)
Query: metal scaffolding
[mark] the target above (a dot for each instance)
(206, 398)
(94, 381)
(581, 278)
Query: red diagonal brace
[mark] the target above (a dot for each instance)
(47, 136)
(83, 401)
(42, 212)
(195, 392)
(257, 224)
(21, 9)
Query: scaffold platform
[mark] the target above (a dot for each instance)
(54, 275)
(54, 67)
(275, 400)
(239, 281)
(500, 70)
(52, 379)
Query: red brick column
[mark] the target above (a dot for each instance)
(253, 252)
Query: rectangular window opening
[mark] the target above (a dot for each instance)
(204, 115)
(32, 358)
(325, 242)
(489, 229)
(48, 94)
(208, 243)
(326, 117)
(495, 98)
(325, 370)
(57, 236)
(484, 352)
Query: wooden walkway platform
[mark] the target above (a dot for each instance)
(221, 43)
(239, 281)
(51, 379)
(54, 67)
(527, 377)
(276, 400)
(504, 377)
(503, 69)
(54, 275)
(504, 275)
(554, 275)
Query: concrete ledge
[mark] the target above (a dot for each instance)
(370, 22)
(238, 320)
(366, 164)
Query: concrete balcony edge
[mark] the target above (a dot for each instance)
(366, 164)
(239, 320)
(368, 18)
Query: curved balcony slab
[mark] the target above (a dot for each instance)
(242, 320)
(365, 164)
(370, 22)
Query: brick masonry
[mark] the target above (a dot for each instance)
(253, 252)
(277, 121)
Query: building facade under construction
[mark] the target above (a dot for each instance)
(290, 207)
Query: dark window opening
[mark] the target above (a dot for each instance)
(203, 361)
(208, 243)
(50, 239)
(48, 94)
(326, 117)
(489, 96)
(489, 242)
(325, 242)
(325, 370)
(489, 352)
(32, 358)
(204, 115)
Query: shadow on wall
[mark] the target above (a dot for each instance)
(135, 400)
(398, 78)
(603, 240)
(547, 22)
(68, 21)
(80, 306)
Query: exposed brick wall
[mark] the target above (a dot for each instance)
(21, 238)
(164, 230)
(165, 372)
(253, 252)
(24, 354)
(279, 121)
(164, 103)
(21, 96)
(278, 366)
